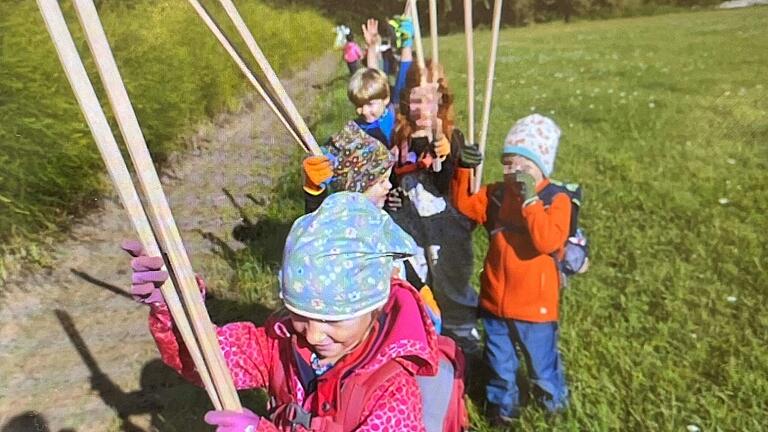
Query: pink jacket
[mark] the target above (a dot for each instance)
(352, 52)
(264, 357)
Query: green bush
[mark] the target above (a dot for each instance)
(175, 72)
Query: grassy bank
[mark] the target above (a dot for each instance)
(175, 72)
(664, 123)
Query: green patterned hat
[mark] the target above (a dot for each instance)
(338, 260)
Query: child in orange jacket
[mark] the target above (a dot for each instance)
(520, 282)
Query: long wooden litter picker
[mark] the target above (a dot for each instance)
(433, 31)
(162, 233)
(437, 164)
(271, 76)
(470, 71)
(275, 106)
(478, 177)
(280, 103)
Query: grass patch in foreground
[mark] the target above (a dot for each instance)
(668, 328)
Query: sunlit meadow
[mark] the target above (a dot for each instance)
(665, 125)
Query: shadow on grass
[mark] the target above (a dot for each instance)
(29, 421)
(327, 85)
(171, 402)
(100, 283)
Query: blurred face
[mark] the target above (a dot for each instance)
(331, 340)
(373, 109)
(378, 191)
(516, 163)
(423, 103)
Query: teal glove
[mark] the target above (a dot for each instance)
(403, 26)
(470, 156)
(527, 187)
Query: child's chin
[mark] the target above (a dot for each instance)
(379, 202)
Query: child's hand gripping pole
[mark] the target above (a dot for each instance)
(478, 179)
(437, 164)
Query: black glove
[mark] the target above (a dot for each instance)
(394, 200)
(421, 145)
(470, 156)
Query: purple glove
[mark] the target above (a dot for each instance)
(231, 421)
(147, 276)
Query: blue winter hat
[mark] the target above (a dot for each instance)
(338, 260)
(534, 137)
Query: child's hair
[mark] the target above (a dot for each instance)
(350, 37)
(404, 127)
(366, 85)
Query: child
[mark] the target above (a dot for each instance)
(368, 90)
(341, 32)
(404, 42)
(362, 164)
(346, 320)
(352, 54)
(520, 281)
(427, 213)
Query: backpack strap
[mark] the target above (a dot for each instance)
(573, 190)
(356, 393)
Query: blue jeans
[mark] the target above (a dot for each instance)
(538, 344)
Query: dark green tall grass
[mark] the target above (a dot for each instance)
(665, 124)
(176, 75)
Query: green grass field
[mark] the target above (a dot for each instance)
(665, 122)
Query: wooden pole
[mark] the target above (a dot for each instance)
(437, 164)
(277, 86)
(164, 225)
(470, 71)
(417, 39)
(216, 30)
(478, 179)
(118, 171)
(433, 31)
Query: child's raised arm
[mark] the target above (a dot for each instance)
(372, 40)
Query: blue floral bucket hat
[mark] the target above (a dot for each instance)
(338, 260)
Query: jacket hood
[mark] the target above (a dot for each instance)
(407, 336)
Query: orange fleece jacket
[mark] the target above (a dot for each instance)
(520, 279)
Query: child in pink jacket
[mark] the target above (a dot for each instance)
(347, 323)
(352, 54)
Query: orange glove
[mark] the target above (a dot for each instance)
(317, 170)
(442, 148)
(432, 309)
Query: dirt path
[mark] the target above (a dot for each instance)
(75, 352)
